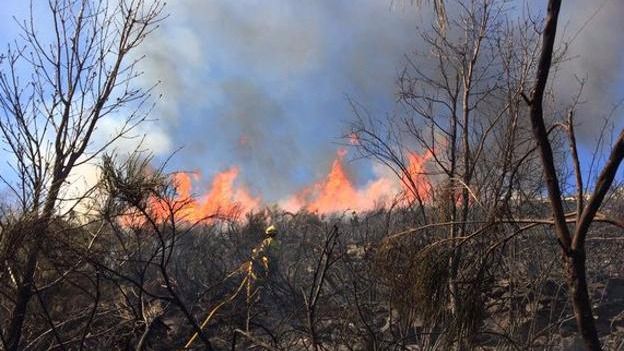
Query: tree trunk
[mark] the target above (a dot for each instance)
(581, 303)
(39, 232)
(24, 293)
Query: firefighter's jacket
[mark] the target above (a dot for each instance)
(266, 255)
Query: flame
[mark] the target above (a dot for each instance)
(222, 199)
(335, 193)
(416, 183)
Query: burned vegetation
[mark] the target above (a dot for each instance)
(374, 281)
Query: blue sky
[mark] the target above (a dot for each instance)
(276, 74)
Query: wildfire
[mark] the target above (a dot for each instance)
(417, 186)
(336, 193)
(222, 198)
(333, 194)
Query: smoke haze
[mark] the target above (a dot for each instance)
(262, 85)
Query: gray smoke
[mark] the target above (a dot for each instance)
(592, 30)
(263, 84)
(265, 142)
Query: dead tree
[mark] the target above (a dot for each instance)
(147, 218)
(54, 92)
(466, 105)
(454, 110)
(573, 240)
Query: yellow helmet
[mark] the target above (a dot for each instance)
(271, 230)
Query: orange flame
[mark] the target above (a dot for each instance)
(333, 194)
(336, 193)
(223, 198)
(416, 183)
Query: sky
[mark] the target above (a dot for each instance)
(264, 85)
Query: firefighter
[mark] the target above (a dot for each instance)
(267, 252)
(262, 267)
